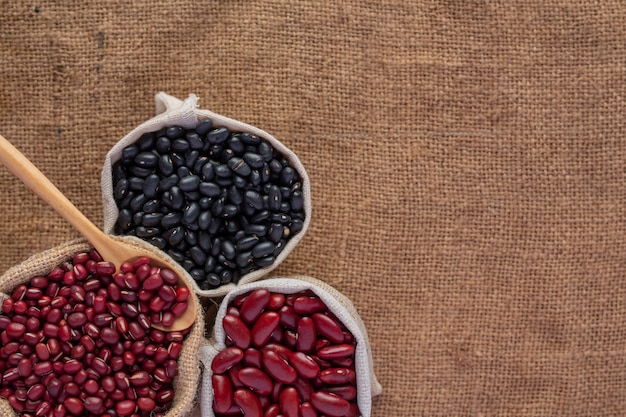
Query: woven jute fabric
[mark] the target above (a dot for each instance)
(467, 166)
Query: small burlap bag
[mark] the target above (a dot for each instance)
(174, 112)
(185, 384)
(366, 382)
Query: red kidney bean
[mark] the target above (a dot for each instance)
(347, 392)
(306, 334)
(304, 365)
(222, 393)
(252, 357)
(330, 404)
(248, 402)
(254, 305)
(289, 402)
(225, 359)
(256, 380)
(263, 328)
(273, 410)
(328, 328)
(337, 376)
(308, 305)
(288, 317)
(335, 352)
(278, 368)
(237, 331)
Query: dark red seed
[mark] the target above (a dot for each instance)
(73, 405)
(254, 305)
(16, 330)
(264, 327)
(125, 408)
(225, 359)
(307, 334)
(169, 276)
(289, 402)
(237, 331)
(278, 368)
(256, 380)
(337, 376)
(222, 393)
(248, 402)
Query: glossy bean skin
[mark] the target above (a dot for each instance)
(330, 404)
(222, 393)
(248, 402)
(237, 330)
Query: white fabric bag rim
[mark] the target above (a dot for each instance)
(173, 111)
(366, 381)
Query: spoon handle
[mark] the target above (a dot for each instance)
(35, 180)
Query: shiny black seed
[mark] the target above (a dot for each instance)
(166, 166)
(146, 159)
(151, 185)
(163, 145)
(262, 249)
(121, 188)
(204, 127)
(189, 183)
(217, 136)
(175, 132)
(254, 160)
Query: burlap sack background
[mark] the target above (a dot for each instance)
(466, 161)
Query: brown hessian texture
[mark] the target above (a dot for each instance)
(466, 162)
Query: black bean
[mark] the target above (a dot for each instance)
(152, 219)
(227, 155)
(262, 249)
(296, 225)
(280, 218)
(239, 166)
(247, 242)
(177, 159)
(204, 127)
(198, 275)
(191, 236)
(180, 145)
(191, 157)
(183, 172)
(204, 219)
(192, 195)
(240, 182)
(279, 247)
(163, 144)
(230, 210)
(125, 202)
(224, 182)
(141, 172)
(144, 232)
(146, 159)
(260, 216)
(253, 199)
(275, 232)
(236, 145)
(267, 261)
(275, 166)
(194, 140)
(285, 207)
(288, 176)
(297, 201)
(138, 218)
(234, 195)
(152, 206)
(129, 153)
(216, 225)
(213, 279)
(136, 204)
(218, 135)
(208, 173)
(189, 183)
(253, 159)
(266, 174)
(216, 246)
(255, 177)
(244, 258)
(121, 188)
(266, 151)
(228, 249)
(151, 185)
(210, 264)
(168, 182)
(222, 260)
(135, 184)
(256, 229)
(275, 198)
(285, 192)
(146, 141)
(190, 214)
(125, 219)
(175, 132)
(166, 166)
(209, 189)
(158, 241)
(215, 151)
(176, 255)
(226, 276)
(187, 264)
(171, 220)
(249, 138)
(198, 255)
(222, 170)
(174, 235)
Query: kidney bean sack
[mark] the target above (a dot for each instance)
(74, 343)
(224, 199)
(291, 347)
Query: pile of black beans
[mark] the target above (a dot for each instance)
(220, 203)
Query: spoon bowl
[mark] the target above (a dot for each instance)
(110, 249)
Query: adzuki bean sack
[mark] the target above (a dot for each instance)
(185, 384)
(173, 112)
(366, 383)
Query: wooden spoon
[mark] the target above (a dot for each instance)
(110, 249)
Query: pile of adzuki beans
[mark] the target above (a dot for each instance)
(286, 355)
(79, 341)
(220, 203)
